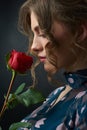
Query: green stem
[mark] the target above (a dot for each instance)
(7, 95)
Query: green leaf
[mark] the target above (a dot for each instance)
(20, 89)
(17, 125)
(12, 101)
(7, 58)
(31, 96)
(27, 98)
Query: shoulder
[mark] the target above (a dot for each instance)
(79, 101)
(81, 111)
(82, 95)
(76, 116)
(82, 103)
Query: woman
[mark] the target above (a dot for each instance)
(58, 31)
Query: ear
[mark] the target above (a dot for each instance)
(82, 32)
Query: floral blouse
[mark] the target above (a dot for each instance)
(70, 113)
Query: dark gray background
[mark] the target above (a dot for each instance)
(11, 38)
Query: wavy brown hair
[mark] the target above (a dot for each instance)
(70, 12)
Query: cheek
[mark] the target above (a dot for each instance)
(44, 42)
(65, 59)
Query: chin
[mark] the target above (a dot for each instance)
(49, 68)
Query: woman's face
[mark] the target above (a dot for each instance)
(65, 58)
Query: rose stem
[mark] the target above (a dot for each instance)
(7, 95)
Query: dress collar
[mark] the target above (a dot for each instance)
(76, 79)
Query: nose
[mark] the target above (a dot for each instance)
(36, 45)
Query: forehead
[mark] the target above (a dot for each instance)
(34, 22)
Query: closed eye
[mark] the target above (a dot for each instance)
(42, 35)
(38, 32)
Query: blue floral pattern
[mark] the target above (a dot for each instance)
(70, 113)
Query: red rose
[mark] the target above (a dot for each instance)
(19, 61)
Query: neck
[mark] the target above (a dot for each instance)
(68, 89)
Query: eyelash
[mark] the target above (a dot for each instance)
(42, 35)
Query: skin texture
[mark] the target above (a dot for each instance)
(64, 55)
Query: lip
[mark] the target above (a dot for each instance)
(42, 59)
